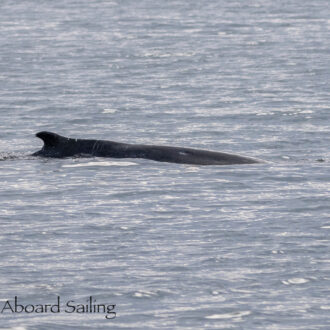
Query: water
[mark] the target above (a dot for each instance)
(173, 246)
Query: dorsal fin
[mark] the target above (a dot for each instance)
(50, 139)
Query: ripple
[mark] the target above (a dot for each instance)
(109, 110)
(108, 163)
(233, 315)
(295, 281)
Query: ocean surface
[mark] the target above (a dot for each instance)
(172, 246)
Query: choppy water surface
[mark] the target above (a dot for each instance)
(173, 246)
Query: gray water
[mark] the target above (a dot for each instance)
(172, 246)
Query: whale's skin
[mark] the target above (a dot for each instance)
(57, 146)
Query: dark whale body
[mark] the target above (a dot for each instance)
(58, 146)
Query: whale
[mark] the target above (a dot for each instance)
(57, 146)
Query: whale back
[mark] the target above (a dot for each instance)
(58, 146)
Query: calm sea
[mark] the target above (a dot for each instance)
(172, 246)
